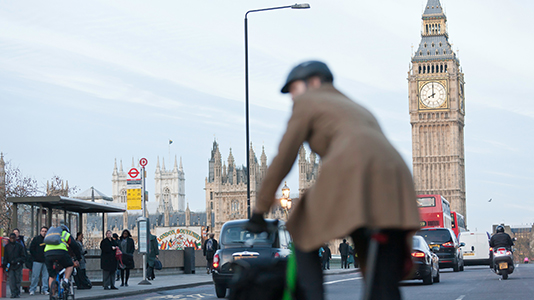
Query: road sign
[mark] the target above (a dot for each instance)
(133, 197)
(133, 172)
(133, 182)
(143, 162)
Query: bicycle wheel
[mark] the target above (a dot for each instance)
(54, 290)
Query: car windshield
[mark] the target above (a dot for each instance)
(419, 243)
(237, 234)
(435, 236)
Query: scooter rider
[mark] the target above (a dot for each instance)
(501, 239)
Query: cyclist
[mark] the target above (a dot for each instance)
(361, 175)
(60, 253)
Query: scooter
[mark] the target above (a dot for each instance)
(503, 262)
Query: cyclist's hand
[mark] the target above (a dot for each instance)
(76, 264)
(256, 223)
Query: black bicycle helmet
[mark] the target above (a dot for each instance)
(306, 70)
(499, 228)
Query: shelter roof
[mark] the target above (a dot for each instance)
(69, 204)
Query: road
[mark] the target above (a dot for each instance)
(475, 283)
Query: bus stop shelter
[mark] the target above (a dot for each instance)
(68, 206)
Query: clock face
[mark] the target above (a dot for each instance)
(433, 95)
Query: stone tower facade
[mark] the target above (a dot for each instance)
(170, 186)
(308, 170)
(119, 183)
(226, 187)
(437, 111)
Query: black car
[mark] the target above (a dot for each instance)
(237, 243)
(449, 253)
(425, 261)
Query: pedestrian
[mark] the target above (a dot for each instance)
(81, 279)
(153, 254)
(127, 247)
(117, 242)
(327, 255)
(344, 252)
(210, 246)
(39, 270)
(20, 238)
(361, 175)
(108, 262)
(350, 257)
(14, 257)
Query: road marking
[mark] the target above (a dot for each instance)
(461, 297)
(341, 280)
(517, 265)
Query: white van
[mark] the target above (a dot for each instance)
(476, 250)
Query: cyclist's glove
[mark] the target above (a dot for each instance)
(256, 223)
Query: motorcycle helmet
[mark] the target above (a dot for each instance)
(306, 70)
(499, 229)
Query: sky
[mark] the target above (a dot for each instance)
(85, 83)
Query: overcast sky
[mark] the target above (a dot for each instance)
(84, 83)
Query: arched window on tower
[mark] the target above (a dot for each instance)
(419, 69)
(432, 68)
(426, 32)
(166, 197)
(439, 27)
(441, 68)
(122, 197)
(445, 68)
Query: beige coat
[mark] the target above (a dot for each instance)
(363, 182)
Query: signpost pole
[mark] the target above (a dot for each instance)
(147, 228)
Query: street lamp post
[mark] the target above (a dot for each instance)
(285, 201)
(294, 6)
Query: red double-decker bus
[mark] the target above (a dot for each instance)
(434, 211)
(457, 223)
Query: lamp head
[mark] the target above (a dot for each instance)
(285, 191)
(300, 6)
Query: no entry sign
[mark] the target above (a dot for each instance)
(133, 172)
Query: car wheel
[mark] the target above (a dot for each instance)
(455, 266)
(427, 280)
(220, 290)
(436, 279)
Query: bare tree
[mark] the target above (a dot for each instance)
(17, 185)
(59, 187)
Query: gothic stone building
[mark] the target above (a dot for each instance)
(437, 111)
(226, 187)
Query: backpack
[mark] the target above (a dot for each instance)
(321, 251)
(209, 245)
(53, 236)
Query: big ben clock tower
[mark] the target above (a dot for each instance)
(436, 95)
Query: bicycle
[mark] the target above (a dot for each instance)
(57, 290)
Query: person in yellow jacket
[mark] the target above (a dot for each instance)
(60, 254)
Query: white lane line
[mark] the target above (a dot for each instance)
(341, 280)
(517, 265)
(461, 297)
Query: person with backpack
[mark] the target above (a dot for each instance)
(39, 270)
(209, 249)
(58, 242)
(327, 255)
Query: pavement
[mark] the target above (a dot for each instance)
(161, 283)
